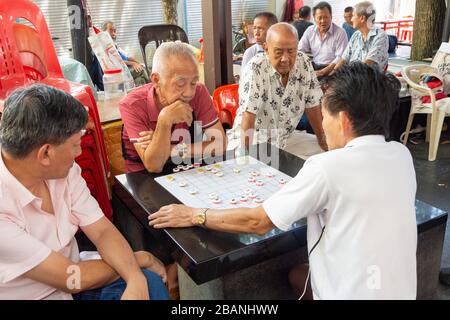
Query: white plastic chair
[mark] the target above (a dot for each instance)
(436, 110)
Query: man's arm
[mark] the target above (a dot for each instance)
(57, 271)
(136, 65)
(339, 64)
(341, 45)
(325, 71)
(242, 220)
(315, 119)
(378, 51)
(216, 143)
(117, 253)
(159, 149)
(247, 129)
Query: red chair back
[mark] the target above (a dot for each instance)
(226, 102)
(27, 56)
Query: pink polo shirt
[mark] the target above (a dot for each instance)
(140, 113)
(28, 234)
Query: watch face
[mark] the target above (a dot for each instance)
(199, 219)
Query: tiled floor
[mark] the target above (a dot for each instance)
(433, 186)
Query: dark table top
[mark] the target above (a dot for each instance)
(207, 254)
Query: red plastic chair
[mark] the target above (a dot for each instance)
(226, 103)
(27, 56)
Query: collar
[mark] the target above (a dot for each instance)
(259, 48)
(274, 73)
(365, 140)
(330, 30)
(8, 181)
(373, 32)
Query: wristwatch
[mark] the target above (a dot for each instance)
(199, 218)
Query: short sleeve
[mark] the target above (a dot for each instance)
(348, 50)
(203, 109)
(303, 45)
(248, 55)
(83, 205)
(133, 118)
(313, 93)
(250, 90)
(19, 251)
(378, 51)
(304, 195)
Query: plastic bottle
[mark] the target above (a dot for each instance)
(113, 83)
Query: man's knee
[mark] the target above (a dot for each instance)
(156, 286)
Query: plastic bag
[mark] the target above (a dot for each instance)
(107, 54)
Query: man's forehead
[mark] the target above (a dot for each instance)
(180, 77)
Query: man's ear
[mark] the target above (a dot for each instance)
(265, 47)
(44, 154)
(346, 123)
(155, 79)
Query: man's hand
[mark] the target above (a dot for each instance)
(148, 261)
(136, 288)
(136, 66)
(321, 139)
(174, 215)
(177, 112)
(145, 139)
(319, 73)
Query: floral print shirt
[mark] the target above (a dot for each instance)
(375, 48)
(277, 108)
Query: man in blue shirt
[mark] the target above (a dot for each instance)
(348, 24)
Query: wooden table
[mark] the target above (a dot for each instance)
(111, 122)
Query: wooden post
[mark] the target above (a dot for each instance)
(428, 23)
(218, 67)
(79, 31)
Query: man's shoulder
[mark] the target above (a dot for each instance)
(137, 97)
(338, 29)
(310, 29)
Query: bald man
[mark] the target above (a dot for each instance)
(276, 89)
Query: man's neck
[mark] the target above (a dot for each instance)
(324, 32)
(158, 102)
(365, 31)
(23, 172)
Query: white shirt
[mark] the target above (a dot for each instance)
(327, 50)
(278, 109)
(250, 53)
(364, 194)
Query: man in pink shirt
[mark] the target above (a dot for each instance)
(168, 117)
(43, 202)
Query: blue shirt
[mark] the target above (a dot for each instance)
(374, 48)
(348, 29)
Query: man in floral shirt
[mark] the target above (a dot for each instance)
(369, 44)
(276, 88)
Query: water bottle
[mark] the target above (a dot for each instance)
(113, 82)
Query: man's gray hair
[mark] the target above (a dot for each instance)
(166, 51)
(105, 24)
(281, 26)
(365, 9)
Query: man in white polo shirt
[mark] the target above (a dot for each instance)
(358, 198)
